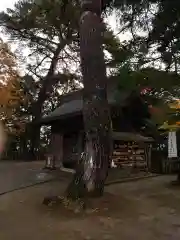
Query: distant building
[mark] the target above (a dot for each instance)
(68, 137)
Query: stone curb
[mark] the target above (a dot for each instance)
(56, 179)
(28, 186)
(131, 179)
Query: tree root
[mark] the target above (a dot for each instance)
(76, 206)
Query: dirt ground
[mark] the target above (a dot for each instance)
(147, 209)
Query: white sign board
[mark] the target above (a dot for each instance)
(172, 145)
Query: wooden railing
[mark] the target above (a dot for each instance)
(171, 166)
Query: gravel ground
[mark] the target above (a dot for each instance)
(144, 210)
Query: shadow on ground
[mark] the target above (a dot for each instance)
(147, 209)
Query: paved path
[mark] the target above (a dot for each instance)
(15, 175)
(143, 210)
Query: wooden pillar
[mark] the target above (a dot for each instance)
(81, 143)
(60, 151)
(57, 148)
(149, 157)
(54, 156)
(147, 151)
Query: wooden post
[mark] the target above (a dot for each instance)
(48, 161)
(80, 142)
(149, 156)
(57, 149)
(55, 152)
(60, 150)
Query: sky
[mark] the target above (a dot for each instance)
(6, 4)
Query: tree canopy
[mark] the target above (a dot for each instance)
(11, 93)
(160, 19)
(53, 61)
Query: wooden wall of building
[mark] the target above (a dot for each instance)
(71, 132)
(71, 141)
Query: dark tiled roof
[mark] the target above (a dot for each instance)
(74, 106)
(128, 136)
(72, 103)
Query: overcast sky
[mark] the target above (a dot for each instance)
(6, 4)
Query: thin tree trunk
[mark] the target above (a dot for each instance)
(35, 142)
(92, 172)
(43, 94)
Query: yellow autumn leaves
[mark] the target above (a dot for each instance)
(174, 105)
(11, 94)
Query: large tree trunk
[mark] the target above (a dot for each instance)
(92, 172)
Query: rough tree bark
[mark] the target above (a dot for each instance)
(93, 168)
